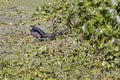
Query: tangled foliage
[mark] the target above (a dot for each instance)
(97, 20)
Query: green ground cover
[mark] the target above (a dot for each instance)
(90, 52)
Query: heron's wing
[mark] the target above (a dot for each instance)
(36, 29)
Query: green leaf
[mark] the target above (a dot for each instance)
(99, 18)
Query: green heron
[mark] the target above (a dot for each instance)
(40, 34)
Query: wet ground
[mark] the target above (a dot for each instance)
(15, 18)
(15, 21)
(16, 12)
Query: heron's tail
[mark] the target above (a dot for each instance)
(62, 31)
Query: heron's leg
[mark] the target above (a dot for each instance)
(41, 39)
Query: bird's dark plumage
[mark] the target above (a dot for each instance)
(37, 32)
